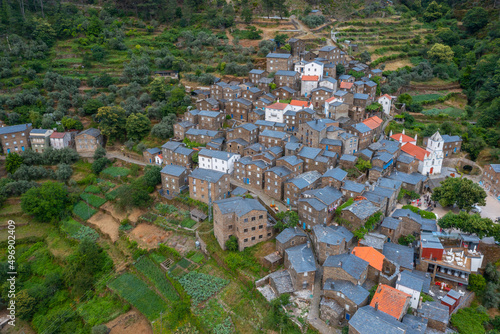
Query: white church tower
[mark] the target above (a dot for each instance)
(434, 161)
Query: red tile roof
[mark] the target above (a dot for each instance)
(57, 135)
(390, 300)
(373, 122)
(415, 151)
(310, 78)
(299, 103)
(404, 138)
(277, 105)
(370, 255)
(386, 95)
(330, 99)
(346, 85)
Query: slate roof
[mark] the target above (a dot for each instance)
(383, 156)
(259, 111)
(340, 93)
(279, 170)
(366, 152)
(209, 113)
(353, 186)
(243, 101)
(362, 209)
(239, 191)
(405, 158)
(336, 173)
(344, 231)
(495, 167)
(305, 179)
(327, 235)
(435, 311)
(413, 178)
(354, 292)
(276, 150)
(344, 77)
(331, 142)
(91, 131)
(291, 159)
(292, 146)
(185, 124)
(416, 325)
(390, 146)
(369, 321)
(254, 71)
(402, 255)
(327, 48)
(286, 73)
(429, 240)
(279, 55)
(273, 134)
(239, 205)
(199, 132)
(171, 145)
(154, 150)
(390, 223)
(351, 264)
(288, 89)
(39, 131)
(301, 258)
(289, 233)
(309, 152)
(361, 127)
(329, 79)
(348, 157)
(14, 128)
(451, 139)
(361, 96)
(208, 175)
(407, 279)
(216, 154)
(173, 170)
(426, 279)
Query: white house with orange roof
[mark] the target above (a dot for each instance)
(309, 82)
(386, 102)
(402, 138)
(275, 111)
(429, 162)
(314, 68)
(297, 105)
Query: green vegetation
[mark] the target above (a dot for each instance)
(137, 293)
(149, 269)
(78, 231)
(93, 200)
(470, 223)
(462, 192)
(422, 213)
(116, 171)
(101, 309)
(201, 286)
(83, 211)
(470, 320)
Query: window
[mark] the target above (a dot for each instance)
(245, 220)
(261, 216)
(245, 230)
(253, 218)
(245, 240)
(253, 228)
(253, 238)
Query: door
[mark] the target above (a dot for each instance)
(8, 150)
(304, 226)
(231, 115)
(432, 169)
(149, 160)
(288, 201)
(22, 148)
(347, 316)
(168, 192)
(327, 147)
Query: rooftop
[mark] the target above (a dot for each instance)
(390, 301)
(402, 255)
(289, 233)
(407, 279)
(14, 128)
(367, 320)
(301, 258)
(415, 151)
(336, 173)
(208, 175)
(351, 264)
(279, 55)
(362, 209)
(173, 170)
(401, 137)
(239, 205)
(435, 311)
(327, 235)
(305, 179)
(310, 78)
(286, 73)
(354, 292)
(370, 255)
(278, 106)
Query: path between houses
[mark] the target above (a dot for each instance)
(259, 192)
(313, 317)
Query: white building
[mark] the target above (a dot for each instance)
(217, 160)
(430, 161)
(412, 285)
(386, 102)
(314, 68)
(275, 112)
(309, 82)
(297, 105)
(159, 159)
(299, 67)
(40, 139)
(329, 82)
(60, 140)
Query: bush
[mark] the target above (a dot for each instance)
(469, 320)
(232, 244)
(313, 21)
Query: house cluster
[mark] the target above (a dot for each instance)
(18, 138)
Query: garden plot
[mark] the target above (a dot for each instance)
(149, 269)
(131, 322)
(116, 213)
(107, 224)
(149, 236)
(84, 211)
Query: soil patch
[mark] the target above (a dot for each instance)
(394, 65)
(107, 224)
(135, 214)
(132, 322)
(149, 236)
(116, 213)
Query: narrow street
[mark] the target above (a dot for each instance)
(313, 317)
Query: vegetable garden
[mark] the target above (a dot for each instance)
(149, 269)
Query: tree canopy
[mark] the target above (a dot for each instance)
(112, 121)
(47, 203)
(460, 191)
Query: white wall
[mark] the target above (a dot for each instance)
(415, 295)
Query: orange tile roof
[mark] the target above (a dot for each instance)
(390, 300)
(277, 105)
(299, 103)
(415, 151)
(404, 138)
(310, 78)
(330, 99)
(346, 85)
(373, 122)
(370, 255)
(386, 95)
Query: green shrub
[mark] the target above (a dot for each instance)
(100, 309)
(469, 320)
(92, 189)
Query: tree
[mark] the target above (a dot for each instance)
(477, 283)
(246, 14)
(281, 39)
(434, 11)
(491, 273)
(158, 89)
(374, 107)
(363, 165)
(112, 121)
(99, 165)
(99, 153)
(448, 36)
(440, 53)
(460, 191)
(92, 106)
(340, 69)
(25, 305)
(12, 162)
(47, 203)
(43, 30)
(365, 57)
(232, 244)
(71, 123)
(286, 219)
(152, 175)
(64, 172)
(491, 297)
(138, 126)
(475, 19)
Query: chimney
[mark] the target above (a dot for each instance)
(403, 131)
(376, 306)
(340, 263)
